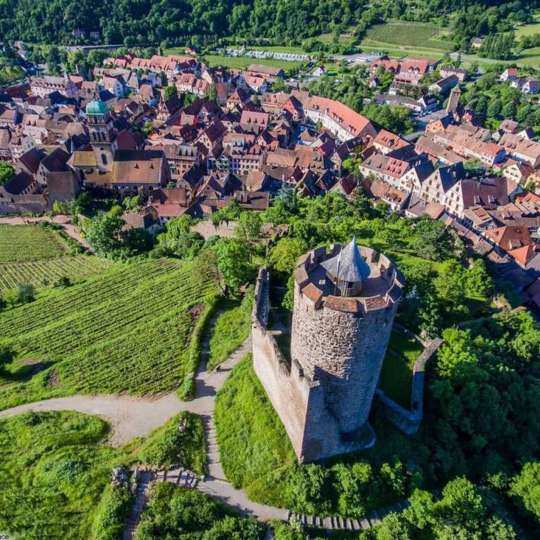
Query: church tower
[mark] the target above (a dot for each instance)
(101, 130)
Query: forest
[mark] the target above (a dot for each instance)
(165, 22)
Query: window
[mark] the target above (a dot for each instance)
(104, 159)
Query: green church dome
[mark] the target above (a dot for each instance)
(96, 106)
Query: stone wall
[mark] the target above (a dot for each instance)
(409, 420)
(285, 386)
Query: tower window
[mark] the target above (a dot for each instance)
(104, 159)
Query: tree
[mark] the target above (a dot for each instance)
(285, 254)
(54, 59)
(354, 484)
(307, 488)
(249, 226)
(6, 355)
(103, 232)
(6, 172)
(526, 488)
(234, 528)
(233, 261)
(178, 240)
(170, 92)
(431, 239)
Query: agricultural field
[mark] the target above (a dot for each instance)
(409, 36)
(29, 243)
(47, 272)
(53, 470)
(242, 62)
(130, 329)
(396, 373)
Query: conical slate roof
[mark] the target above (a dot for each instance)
(348, 265)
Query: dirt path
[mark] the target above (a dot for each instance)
(132, 417)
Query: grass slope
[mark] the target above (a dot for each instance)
(254, 448)
(180, 441)
(46, 272)
(128, 330)
(53, 471)
(396, 373)
(231, 330)
(29, 243)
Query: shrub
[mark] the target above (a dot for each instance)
(112, 513)
(179, 442)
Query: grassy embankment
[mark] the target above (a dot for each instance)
(231, 330)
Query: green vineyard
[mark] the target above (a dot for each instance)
(29, 243)
(128, 330)
(47, 272)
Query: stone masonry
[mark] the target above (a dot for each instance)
(324, 395)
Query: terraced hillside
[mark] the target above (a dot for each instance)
(128, 330)
(39, 256)
(29, 243)
(47, 272)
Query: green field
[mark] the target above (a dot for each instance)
(529, 29)
(407, 35)
(53, 469)
(29, 243)
(255, 451)
(242, 62)
(396, 373)
(231, 330)
(47, 272)
(128, 330)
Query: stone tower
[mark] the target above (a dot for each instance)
(345, 301)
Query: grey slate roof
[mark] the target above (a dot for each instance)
(348, 265)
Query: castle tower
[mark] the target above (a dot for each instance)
(101, 133)
(345, 301)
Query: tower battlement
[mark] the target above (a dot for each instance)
(380, 290)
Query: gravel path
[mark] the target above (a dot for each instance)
(132, 417)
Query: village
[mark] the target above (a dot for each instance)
(262, 312)
(190, 140)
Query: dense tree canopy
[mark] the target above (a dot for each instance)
(176, 21)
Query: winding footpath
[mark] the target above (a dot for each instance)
(132, 417)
